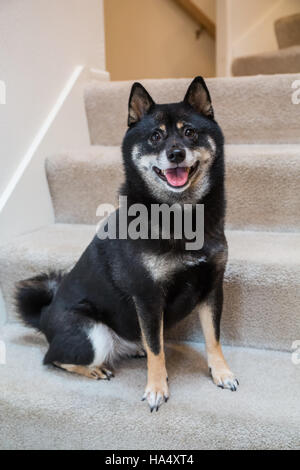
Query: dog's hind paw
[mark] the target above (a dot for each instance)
(92, 372)
(104, 373)
(140, 354)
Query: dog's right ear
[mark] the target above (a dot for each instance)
(198, 97)
(139, 104)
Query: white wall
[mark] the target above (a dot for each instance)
(246, 27)
(46, 50)
(41, 42)
(29, 205)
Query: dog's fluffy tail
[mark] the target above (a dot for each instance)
(35, 293)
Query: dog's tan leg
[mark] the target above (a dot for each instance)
(92, 372)
(221, 374)
(157, 387)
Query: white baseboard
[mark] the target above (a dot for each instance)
(99, 74)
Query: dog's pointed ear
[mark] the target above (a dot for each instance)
(198, 97)
(139, 104)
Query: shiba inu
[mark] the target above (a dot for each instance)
(124, 292)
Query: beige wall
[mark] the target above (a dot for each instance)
(246, 27)
(155, 39)
(254, 30)
(208, 7)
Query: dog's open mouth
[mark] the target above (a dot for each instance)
(177, 177)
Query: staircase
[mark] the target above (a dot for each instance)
(284, 60)
(47, 408)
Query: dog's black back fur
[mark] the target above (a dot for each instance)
(110, 283)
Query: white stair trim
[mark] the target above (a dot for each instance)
(39, 136)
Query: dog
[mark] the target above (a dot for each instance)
(123, 293)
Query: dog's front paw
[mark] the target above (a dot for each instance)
(224, 378)
(156, 393)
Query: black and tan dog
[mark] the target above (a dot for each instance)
(123, 293)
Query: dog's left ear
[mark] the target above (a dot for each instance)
(139, 104)
(198, 97)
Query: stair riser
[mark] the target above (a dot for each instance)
(262, 191)
(287, 31)
(244, 107)
(261, 307)
(256, 313)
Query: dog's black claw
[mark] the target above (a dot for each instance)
(157, 408)
(166, 399)
(221, 386)
(237, 381)
(151, 409)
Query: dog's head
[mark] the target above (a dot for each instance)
(171, 148)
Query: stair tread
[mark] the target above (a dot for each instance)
(285, 60)
(240, 105)
(261, 287)
(262, 150)
(266, 247)
(262, 184)
(287, 51)
(55, 409)
(87, 155)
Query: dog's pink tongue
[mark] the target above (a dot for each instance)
(177, 176)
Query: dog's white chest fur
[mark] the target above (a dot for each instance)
(163, 267)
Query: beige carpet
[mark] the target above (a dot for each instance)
(47, 408)
(74, 182)
(287, 31)
(278, 61)
(251, 110)
(284, 60)
(262, 294)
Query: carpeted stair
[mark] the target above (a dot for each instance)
(278, 61)
(287, 31)
(284, 60)
(46, 408)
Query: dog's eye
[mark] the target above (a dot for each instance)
(189, 132)
(155, 137)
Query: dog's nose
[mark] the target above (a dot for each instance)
(176, 155)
